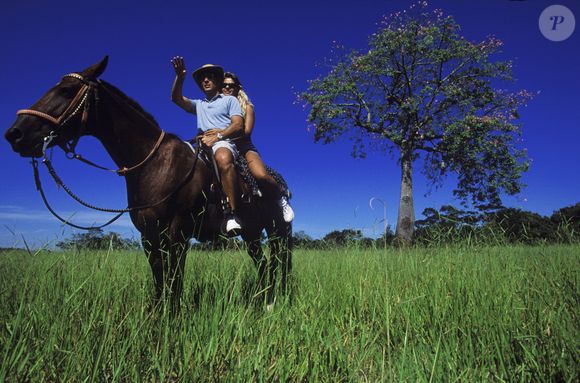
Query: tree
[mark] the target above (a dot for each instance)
(302, 239)
(569, 215)
(522, 226)
(220, 243)
(447, 225)
(424, 92)
(342, 237)
(387, 239)
(97, 240)
(567, 222)
(448, 216)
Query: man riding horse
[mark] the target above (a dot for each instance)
(219, 117)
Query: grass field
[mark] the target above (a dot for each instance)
(442, 315)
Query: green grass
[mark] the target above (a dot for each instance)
(448, 314)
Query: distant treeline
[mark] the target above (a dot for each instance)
(450, 225)
(502, 225)
(98, 240)
(447, 225)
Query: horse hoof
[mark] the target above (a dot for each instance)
(270, 307)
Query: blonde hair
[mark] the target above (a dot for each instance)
(244, 100)
(242, 95)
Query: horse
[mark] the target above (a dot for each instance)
(167, 185)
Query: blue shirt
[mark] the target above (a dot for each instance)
(215, 113)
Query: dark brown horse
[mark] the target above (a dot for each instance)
(167, 188)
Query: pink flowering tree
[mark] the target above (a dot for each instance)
(429, 96)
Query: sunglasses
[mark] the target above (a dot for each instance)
(229, 85)
(209, 76)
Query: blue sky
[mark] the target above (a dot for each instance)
(273, 47)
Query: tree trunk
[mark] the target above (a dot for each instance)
(406, 217)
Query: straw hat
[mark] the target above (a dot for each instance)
(216, 70)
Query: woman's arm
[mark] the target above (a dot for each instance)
(249, 120)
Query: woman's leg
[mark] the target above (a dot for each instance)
(265, 181)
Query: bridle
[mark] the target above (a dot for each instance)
(63, 118)
(79, 101)
(82, 101)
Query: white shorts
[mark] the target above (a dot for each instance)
(226, 144)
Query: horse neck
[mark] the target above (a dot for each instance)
(127, 134)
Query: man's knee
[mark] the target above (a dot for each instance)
(224, 159)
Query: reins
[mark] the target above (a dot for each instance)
(119, 212)
(86, 93)
(54, 213)
(122, 171)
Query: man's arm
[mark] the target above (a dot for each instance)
(177, 89)
(233, 130)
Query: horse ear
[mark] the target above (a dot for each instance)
(94, 71)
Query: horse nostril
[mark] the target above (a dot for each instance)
(13, 135)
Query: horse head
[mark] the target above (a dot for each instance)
(58, 117)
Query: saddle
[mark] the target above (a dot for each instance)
(215, 205)
(249, 184)
(248, 179)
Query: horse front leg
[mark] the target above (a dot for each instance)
(260, 261)
(286, 255)
(152, 247)
(177, 256)
(274, 265)
(179, 233)
(166, 255)
(280, 242)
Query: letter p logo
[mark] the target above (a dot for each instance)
(557, 20)
(557, 23)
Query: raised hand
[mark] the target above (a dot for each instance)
(179, 66)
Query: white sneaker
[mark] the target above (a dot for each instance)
(287, 211)
(232, 224)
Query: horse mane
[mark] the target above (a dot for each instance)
(134, 104)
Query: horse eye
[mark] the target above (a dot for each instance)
(66, 90)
